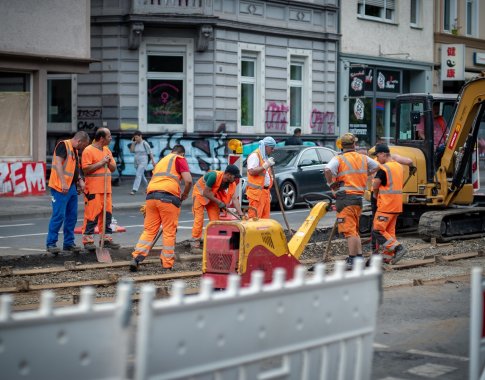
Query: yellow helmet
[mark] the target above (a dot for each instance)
(338, 143)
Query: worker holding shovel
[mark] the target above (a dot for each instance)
(95, 157)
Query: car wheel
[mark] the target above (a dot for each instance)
(288, 195)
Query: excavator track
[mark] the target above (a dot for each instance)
(452, 224)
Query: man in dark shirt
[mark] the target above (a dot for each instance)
(295, 139)
(64, 181)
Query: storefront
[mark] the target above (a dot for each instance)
(368, 88)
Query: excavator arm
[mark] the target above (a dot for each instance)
(461, 142)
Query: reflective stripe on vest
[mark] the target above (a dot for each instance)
(354, 177)
(165, 176)
(389, 198)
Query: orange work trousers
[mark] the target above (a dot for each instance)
(348, 220)
(93, 213)
(213, 212)
(384, 230)
(158, 214)
(261, 204)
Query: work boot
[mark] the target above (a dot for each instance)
(72, 248)
(399, 252)
(135, 263)
(109, 243)
(53, 249)
(88, 243)
(166, 270)
(349, 262)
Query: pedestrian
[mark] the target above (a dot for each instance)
(143, 153)
(259, 178)
(65, 180)
(98, 162)
(295, 139)
(347, 175)
(163, 203)
(387, 190)
(213, 192)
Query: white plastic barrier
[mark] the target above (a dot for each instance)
(477, 336)
(84, 341)
(316, 328)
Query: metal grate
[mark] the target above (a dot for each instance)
(220, 262)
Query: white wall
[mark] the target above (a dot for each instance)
(363, 36)
(45, 27)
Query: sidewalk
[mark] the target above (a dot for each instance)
(12, 208)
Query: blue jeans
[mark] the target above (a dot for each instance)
(64, 210)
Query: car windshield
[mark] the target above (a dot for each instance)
(285, 157)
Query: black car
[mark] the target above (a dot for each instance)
(299, 171)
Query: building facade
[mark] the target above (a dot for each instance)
(386, 50)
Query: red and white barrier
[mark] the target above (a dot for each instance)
(477, 326)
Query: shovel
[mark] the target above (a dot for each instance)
(102, 254)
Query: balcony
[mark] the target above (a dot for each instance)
(177, 7)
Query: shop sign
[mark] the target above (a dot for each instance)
(358, 129)
(356, 81)
(359, 109)
(388, 81)
(453, 62)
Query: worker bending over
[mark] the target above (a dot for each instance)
(163, 203)
(213, 192)
(259, 178)
(347, 175)
(387, 190)
(94, 159)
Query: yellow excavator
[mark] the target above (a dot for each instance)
(440, 197)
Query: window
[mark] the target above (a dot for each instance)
(15, 111)
(248, 83)
(299, 96)
(166, 85)
(326, 155)
(472, 17)
(309, 157)
(251, 99)
(449, 16)
(60, 107)
(376, 9)
(415, 17)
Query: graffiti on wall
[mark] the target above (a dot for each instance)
(22, 178)
(276, 117)
(322, 122)
(88, 119)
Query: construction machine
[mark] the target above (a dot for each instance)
(440, 198)
(242, 246)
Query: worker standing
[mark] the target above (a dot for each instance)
(259, 178)
(66, 177)
(387, 190)
(213, 192)
(98, 162)
(347, 175)
(163, 203)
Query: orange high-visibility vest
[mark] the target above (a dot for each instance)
(68, 164)
(389, 198)
(256, 182)
(223, 195)
(352, 173)
(165, 176)
(95, 180)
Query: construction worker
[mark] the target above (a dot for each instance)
(213, 192)
(259, 178)
(163, 203)
(387, 190)
(98, 162)
(65, 179)
(347, 175)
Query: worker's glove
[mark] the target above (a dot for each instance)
(412, 170)
(268, 163)
(221, 205)
(334, 186)
(143, 209)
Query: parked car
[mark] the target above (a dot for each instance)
(298, 171)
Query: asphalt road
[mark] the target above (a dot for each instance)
(27, 236)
